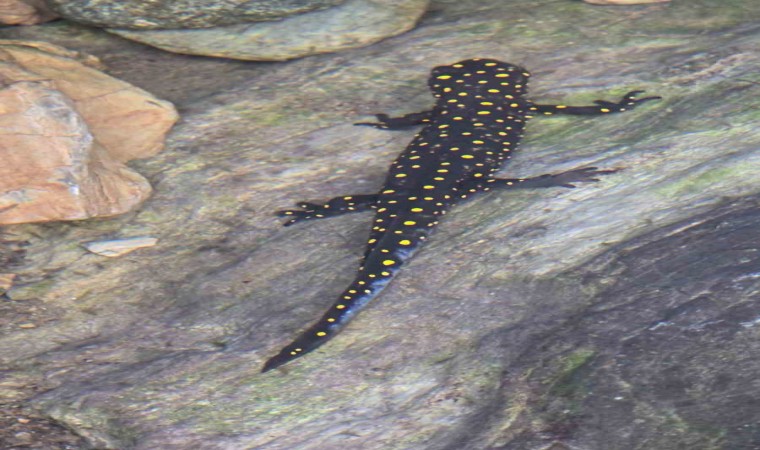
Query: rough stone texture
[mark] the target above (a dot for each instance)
(356, 23)
(25, 12)
(623, 2)
(170, 14)
(67, 131)
(618, 316)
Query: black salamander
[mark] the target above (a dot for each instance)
(472, 130)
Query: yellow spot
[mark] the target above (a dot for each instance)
(453, 100)
(331, 319)
(501, 75)
(416, 210)
(453, 149)
(486, 103)
(388, 191)
(352, 291)
(415, 157)
(558, 107)
(321, 333)
(385, 274)
(410, 222)
(443, 126)
(389, 262)
(443, 77)
(482, 82)
(462, 94)
(405, 242)
(442, 170)
(493, 91)
(604, 110)
(484, 113)
(400, 175)
(340, 306)
(467, 156)
(457, 118)
(347, 297)
(478, 142)
(437, 179)
(416, 166)
(427, 198)
(371, 241)
(481, 71)
(490, 64)
(514, 105)
(447, 89)
(428, 187)
(293, 353)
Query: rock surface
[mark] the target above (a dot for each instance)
(168, 14)
(113, 248)
(67, 130)
(615, 316)
(25, 12)
(623, 2)
(356, 23)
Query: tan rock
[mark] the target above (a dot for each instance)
(25, 12)
(67, 129)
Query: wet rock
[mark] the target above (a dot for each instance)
(168, 14)
(118, 247)
(355, 23)
(67, 130)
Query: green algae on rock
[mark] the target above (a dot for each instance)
(356, 23)
(180, 14)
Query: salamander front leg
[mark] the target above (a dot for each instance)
(628, 102)
(397, 123)
(334, 207)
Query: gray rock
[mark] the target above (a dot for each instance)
(170, 14)
(614, 316)
(354, 24)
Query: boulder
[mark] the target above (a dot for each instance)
(67, 129)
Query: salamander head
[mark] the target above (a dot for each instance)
(479, 75)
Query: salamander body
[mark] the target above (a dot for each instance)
(477, 121)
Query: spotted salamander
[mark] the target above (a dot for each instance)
(475, 125)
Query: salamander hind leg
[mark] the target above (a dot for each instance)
(627, 103)
(563, 179)
(334, 207)
(385, 122)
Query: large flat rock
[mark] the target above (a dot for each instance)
(613, 316)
